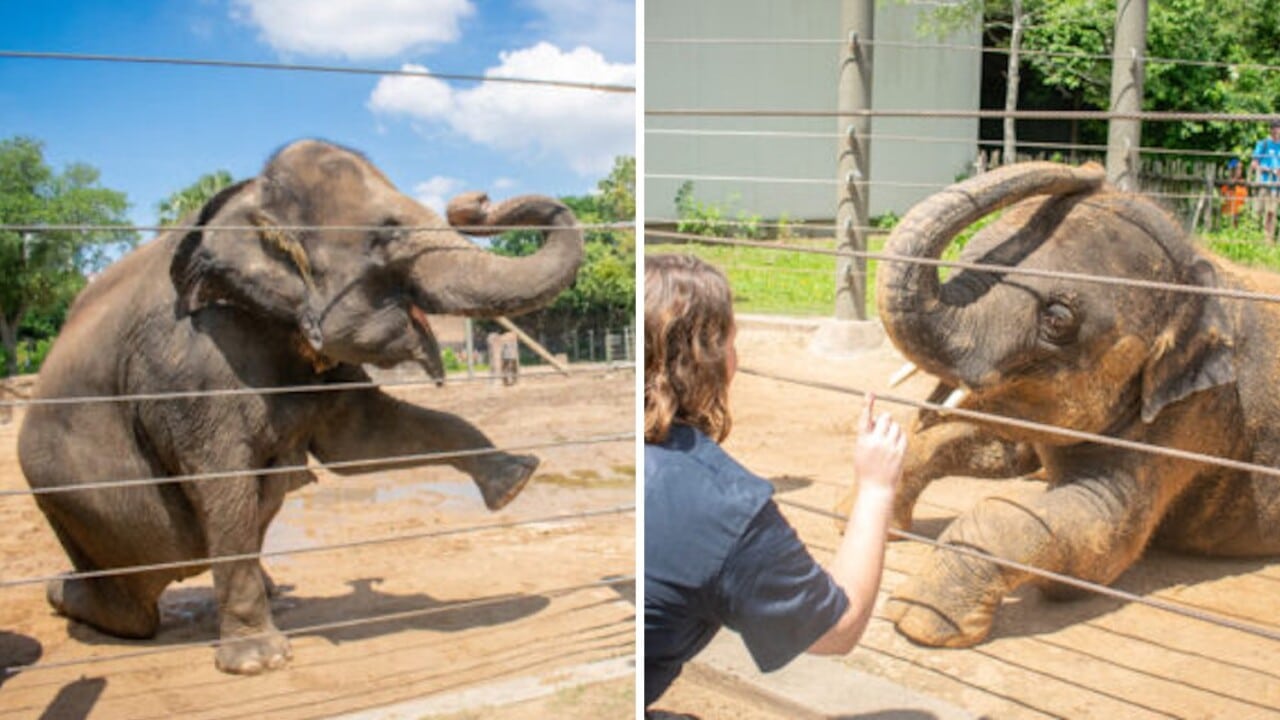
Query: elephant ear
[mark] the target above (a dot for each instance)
(238, 254)
(1195, 353)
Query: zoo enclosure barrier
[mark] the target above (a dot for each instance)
(1166, 175)
(8, 404)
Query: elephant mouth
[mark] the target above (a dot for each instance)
(431, 360)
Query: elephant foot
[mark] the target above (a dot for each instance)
(100, 603)
(500, 485)
(929, 625)
(942, 613)
(254, 654)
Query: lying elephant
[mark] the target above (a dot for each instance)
(261, 295)
(1189, 371)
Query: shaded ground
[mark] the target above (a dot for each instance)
(1094, 658)
(511, 619)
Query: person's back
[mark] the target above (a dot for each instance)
(712, 544)
(718, 553)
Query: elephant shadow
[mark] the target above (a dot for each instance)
(190, 614)
(74, 700)
(16, 650)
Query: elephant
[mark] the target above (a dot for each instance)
(299, 276)
(1194, 372)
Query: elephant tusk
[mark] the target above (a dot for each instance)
(956, 397)
(902, 374)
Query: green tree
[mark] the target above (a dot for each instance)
(41, 270)
(193, 197)
(1233, 47)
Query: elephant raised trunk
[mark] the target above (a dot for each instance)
(477, 283)
(919, 318)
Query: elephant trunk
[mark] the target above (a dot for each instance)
(917, 319)
(460, 278)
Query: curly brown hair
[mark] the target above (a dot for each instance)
(688, 319)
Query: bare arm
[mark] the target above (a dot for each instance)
(859, 560)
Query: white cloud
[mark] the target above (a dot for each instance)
(357, 30)
(436, 192)
(504, 183)
(606, 25)
(585, 129)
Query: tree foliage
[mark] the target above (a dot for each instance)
(41, 270)
(193, 197)
(1233, 46)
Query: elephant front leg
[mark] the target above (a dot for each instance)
(369, 425)
(950, 448)
(1091, 528)
(248, 639)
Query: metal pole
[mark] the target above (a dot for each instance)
(1124, 137)
(853, 169)
(471, 350)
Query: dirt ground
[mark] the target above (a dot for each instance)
(1092, 658)
(514, 617)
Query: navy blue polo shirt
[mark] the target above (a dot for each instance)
(717, 552)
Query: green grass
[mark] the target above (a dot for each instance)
(777, 282)
(1244, 244)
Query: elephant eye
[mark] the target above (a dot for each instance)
(1058, 323)
(386, 233)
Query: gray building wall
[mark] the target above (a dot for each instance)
(781, 76)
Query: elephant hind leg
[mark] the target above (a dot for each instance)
(121, 605)
(106, 603)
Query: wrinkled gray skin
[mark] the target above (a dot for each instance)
(1193, 372)
(247, 302)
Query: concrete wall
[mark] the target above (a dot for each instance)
(797, 77)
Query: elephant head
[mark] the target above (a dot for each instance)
(322, 241)
(1072, 353)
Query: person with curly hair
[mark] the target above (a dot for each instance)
(717, 551)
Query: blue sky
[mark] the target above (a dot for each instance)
(153, 129)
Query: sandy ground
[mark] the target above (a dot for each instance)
(1093, 658)
(512, 617)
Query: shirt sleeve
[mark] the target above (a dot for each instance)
(774, 594)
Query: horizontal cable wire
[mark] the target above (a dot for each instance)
(794, 225)
(916, 44)
(465, 229)
(245, 65)
(368, 542)
(377, 462)
(929, 139)
(1268, 633)
(834, 182)
(319, 627)
(983, 267)
(748, 179)
(1029, 425)
(300, 389)
(1151, 116)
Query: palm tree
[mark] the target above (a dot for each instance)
(191, 198)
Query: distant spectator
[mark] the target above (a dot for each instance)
(1266, 164)
(510, 359)
(1235, 192)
